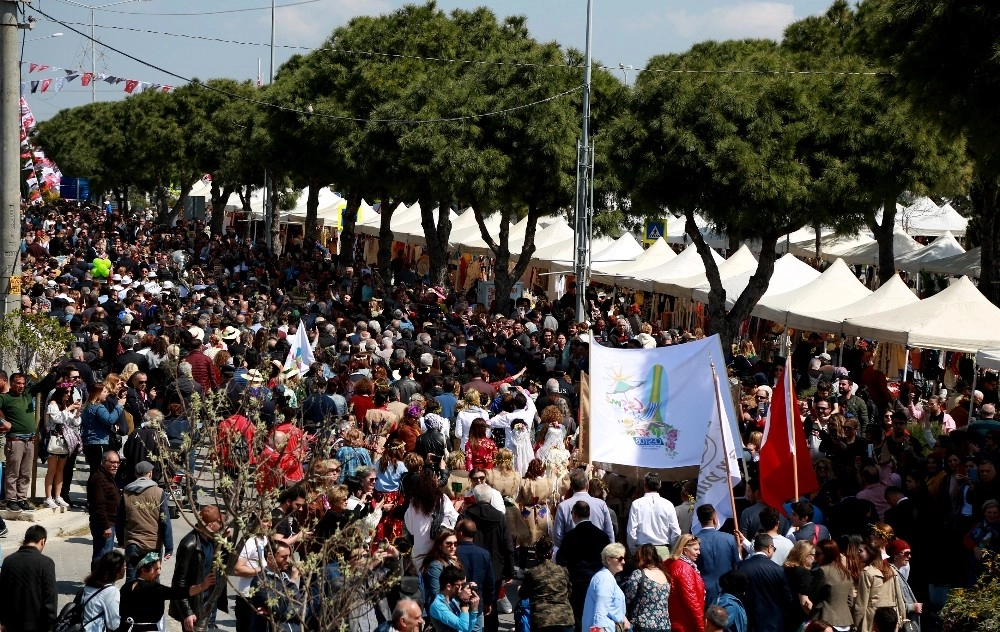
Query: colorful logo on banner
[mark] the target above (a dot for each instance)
(641, 404)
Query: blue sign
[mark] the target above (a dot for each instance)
(655, 229)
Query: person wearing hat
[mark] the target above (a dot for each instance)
(899, 556)
(142, 598)
(146, 527)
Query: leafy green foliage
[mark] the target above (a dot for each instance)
(32, 342)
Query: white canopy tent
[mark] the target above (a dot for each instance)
(515, 238)
(892, 294)
(561, 252)
(836, 287)
(653, 257)
(926, 218)
(988, 359)
(686, 264)
(789, 274)
(741, 261)
(676, 233)
(943, 247)
(902, 245)
(400, 216)
(965, 264)
(958, 318)
(805, 235)
(625, 249)
(412, 231)
(461, 237)
(831, 246)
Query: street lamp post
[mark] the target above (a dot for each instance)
(93, 39)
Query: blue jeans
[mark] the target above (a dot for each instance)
(102, 544)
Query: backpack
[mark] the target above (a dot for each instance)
(522, 616)
(71, 616)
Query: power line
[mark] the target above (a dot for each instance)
(369, 53)
(283, 108)
(267, 8)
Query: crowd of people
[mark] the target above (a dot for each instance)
(451, 441)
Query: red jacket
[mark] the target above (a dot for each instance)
(232, 430)
(687, 597)
(204, 371)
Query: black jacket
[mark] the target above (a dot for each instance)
(28, 597)
(132, 357)
(580, 551)
(492, 535)
(189, 569)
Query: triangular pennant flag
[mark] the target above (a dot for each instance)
(72, 76)
(28, 165)
(68, 71)
(34, 87)
(32, 67)
(60, 82)
(131, 85)
(41, 68)
(45, 84)
(167, 88)
(155, 87)
(85, 79)
(143, 85)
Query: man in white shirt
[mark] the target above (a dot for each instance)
(653, 519)
(769, 523)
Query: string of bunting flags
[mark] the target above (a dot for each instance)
(35, 160)
(86, 77)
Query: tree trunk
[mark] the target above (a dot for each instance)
(819, 240)
(501, 251)
(985, 196)
(437, 240)
(123, 202)
(385, 236)
(723, 322)
(884, 237)
(312, 209)
(170, 215)
(346, 255)
(219, 200)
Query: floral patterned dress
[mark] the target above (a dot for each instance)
(481, 455)
(648, 602)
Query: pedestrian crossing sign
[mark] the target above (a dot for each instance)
(655, 229)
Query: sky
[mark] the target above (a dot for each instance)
(626, 32)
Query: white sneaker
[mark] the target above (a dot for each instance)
(51, 504)
(61, 502)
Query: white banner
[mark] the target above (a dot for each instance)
(300, 356)
(720, 470)
(651, 407)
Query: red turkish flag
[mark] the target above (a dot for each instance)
(45, 84)
(130, 85)
(784, 451)
(86, 78)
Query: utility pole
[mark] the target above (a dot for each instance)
(270, 220)
(10, 161)
(584, 184)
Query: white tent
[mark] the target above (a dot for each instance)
(926, 218)
(789, 274)
(686, 264)
(562, 252)
(943, 247)
(622, 250)
(836, 287)
(958, 318)
(965, 264)
(988, 359)
(400, 216)
(676, 233)
(515, 238)
(902, 245)
(461, 237)
(805, 235)
(412, 231)
(653, 257)
(892, 294)
(741, 261)
(831, 246)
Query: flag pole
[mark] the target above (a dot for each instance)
(791, 420)
(725, 453)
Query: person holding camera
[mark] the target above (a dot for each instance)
(456, 606)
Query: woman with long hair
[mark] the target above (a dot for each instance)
(102, 608)
(877, 587)
(469, 409)
(408, 429)
(353, 455)
(389, 472)
(97, 423)
(443, 553)
(62, 418)
(798, 565)
(362, 400)
(480, 451)
(647, 592)
(836, 587)
(687, 589)
(428, 507)
(533, 501)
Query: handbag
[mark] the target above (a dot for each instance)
(57, 444)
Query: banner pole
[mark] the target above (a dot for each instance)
(725, 458)
(787, 377)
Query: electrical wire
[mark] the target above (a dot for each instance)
(119, 11)
(345, 51)
(284, 108)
